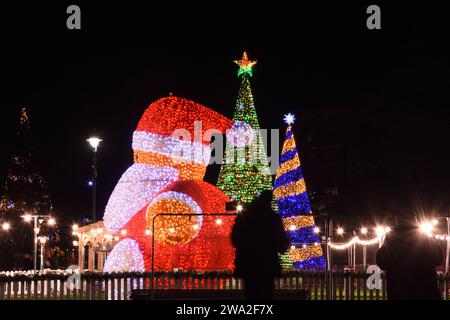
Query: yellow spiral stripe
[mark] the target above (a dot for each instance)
(310, 251)
(299, 222)
(288, 166)
(288, 145)
(290, 189)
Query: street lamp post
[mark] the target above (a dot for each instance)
(447, 251)
(364, 257)
(35, 233)
(37, 218)
(42, 241)
(94, 142)
(5, 226)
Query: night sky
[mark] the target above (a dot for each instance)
(310, 61)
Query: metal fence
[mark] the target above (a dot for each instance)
(119, 286)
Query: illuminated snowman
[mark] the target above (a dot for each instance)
(171, 152)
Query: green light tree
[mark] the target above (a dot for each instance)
(25, 188)
(285, 258)
(24, 191)
(245, 171)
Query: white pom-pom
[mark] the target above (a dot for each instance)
(241, 134)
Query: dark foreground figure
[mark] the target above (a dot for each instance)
(259, 237)
(410, 259)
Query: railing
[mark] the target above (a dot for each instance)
(118, 286)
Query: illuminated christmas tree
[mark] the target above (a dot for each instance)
(25, 188)
(285, 258)
(286, 261)
(245, 171)
(24, 191)
(294, 207)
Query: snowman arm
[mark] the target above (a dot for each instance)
(136, 188)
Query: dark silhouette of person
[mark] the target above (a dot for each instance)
(409, 259)
(258, 236)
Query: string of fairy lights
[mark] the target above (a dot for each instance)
(295, 250)
(50, 221)
(426, 227)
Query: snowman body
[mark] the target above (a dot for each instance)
(162, 203)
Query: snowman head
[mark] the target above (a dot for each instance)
(177, 132)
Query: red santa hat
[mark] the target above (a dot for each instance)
(172, 126)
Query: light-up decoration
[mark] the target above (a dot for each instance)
(210, 249)
(245, 65)
(427, 228)
(307, 254)
(380, 231)
(94, 142)
(171, 152)
(125, 256)
(174, 229)
(181, 150)
(245, 171)
(137, 187)
(240, 135)
(293, 205)
(353, 241)
(107, 237)
(289, 119)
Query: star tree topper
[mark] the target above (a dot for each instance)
(289, 119)
(245, 65)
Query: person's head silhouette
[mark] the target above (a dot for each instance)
(262, 202)
(406, 218)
